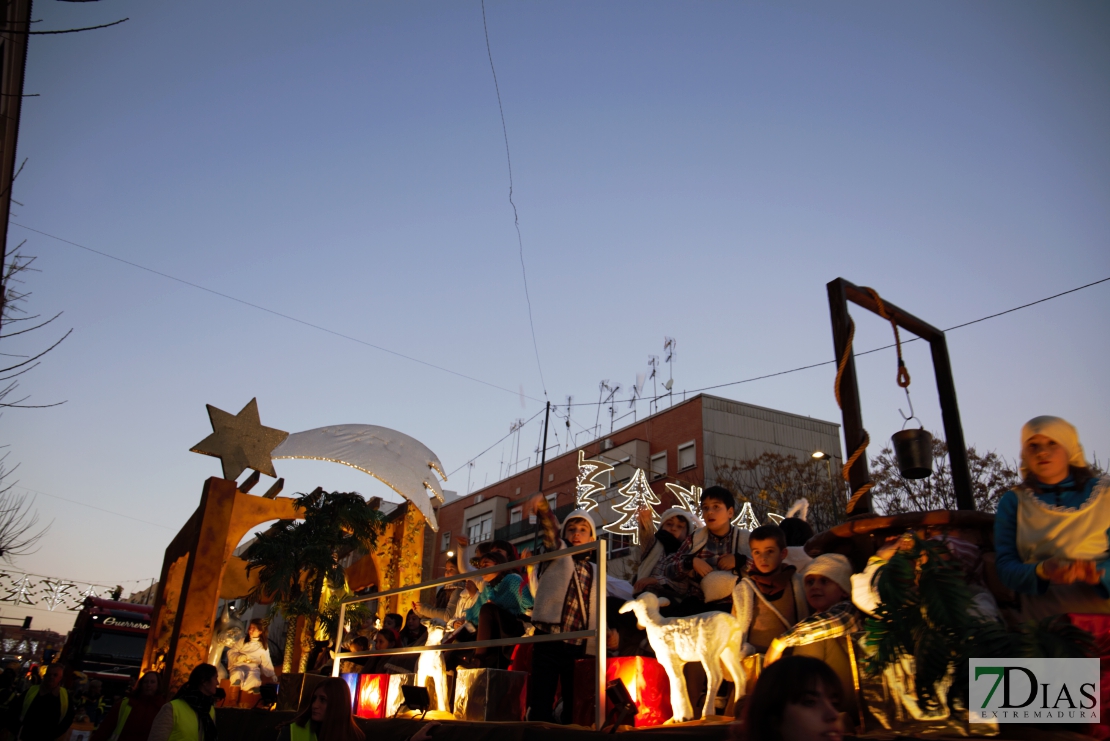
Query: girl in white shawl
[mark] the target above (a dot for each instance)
(248, 661)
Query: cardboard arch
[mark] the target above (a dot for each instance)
(199, 569)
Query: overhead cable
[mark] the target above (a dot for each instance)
(278, 313)
(516, 217)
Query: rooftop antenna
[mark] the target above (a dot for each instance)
(612, 404)
(514, 428)
(653, 363)
(570, 439)
(602, 388)
(669, 344)
(469, 471)
(637, 391)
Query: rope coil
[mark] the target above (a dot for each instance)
(903, 380)
(858, 493)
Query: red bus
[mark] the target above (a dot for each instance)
(107, 642)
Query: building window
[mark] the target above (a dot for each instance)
(480, 528)
(516, 514)
(659, 465)
(551, 500)
(618, 544)
(445, 541)
(687, 457)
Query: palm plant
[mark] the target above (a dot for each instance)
(295, 558)
(924, 614)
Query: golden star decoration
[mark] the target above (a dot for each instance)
(240, 441)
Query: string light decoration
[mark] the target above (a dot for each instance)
(688, 499)
(637, 493)
(746, 519)
(56, 592)
(775, 519)
(587, 484)
(19, 592)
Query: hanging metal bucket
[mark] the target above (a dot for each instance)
(914, 451)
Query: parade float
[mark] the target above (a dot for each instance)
(903, 683)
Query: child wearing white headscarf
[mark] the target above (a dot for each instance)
(1052, 532)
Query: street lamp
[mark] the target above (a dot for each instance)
(821, 455)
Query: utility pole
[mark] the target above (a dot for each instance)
(13, 62)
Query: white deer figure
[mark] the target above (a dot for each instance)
(431, 664)
(712, 638)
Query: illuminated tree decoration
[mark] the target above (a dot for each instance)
(57, 593)
(637, 493)
(588, 485)
(775, 519)
(90, 592)
(746, 519)
(19, 592)
(688, 499)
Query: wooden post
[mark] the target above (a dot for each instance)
(849, 394)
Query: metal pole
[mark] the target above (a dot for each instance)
(339, 638)
(602, 633)
(543, 453)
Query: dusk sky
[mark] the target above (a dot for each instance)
(697, 170)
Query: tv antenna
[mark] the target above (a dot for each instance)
(669, 344)
(514, 429)
(611, 401)
(653, 364)
(570, 438)
(601, 389)
(637, 392)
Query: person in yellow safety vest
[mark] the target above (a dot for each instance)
(191, 715)
(326, 718)
(131, 718)
(45, 712)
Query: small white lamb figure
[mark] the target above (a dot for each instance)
(430, 664)
(712, 638)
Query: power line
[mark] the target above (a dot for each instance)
(471, 460)
(516, 217)
(865, 352)
(785, 372)
(278, 313)
(91, 506)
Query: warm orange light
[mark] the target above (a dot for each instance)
(372, 691)
(628, 673)
(647, 685)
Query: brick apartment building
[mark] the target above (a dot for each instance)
(683, 444)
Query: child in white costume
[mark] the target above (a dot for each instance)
(249, 662)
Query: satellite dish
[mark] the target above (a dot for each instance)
(667, 385)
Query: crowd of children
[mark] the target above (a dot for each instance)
(787, 603)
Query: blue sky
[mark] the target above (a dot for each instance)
(697, 170)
